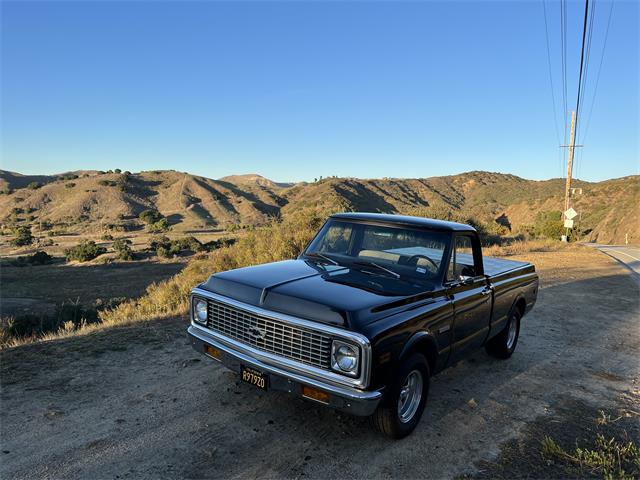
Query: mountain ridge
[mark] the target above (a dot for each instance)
(88, 200)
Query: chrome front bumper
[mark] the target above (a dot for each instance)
(343, 398)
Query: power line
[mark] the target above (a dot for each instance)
(587, 62)
(563, 47)
(595, 90)
(584, 37)
(553, 96)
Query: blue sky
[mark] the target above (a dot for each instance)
(295, 90)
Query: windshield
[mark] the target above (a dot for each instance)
(384, 250)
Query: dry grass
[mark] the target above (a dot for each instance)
(521, 247)
(278, 241)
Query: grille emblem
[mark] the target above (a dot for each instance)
(256, 333)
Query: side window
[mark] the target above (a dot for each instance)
(337, 238)
(462, 262)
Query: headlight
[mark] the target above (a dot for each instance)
(200, 310)
(345, 358)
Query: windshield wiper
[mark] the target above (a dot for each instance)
(321, 256)
(380, 267)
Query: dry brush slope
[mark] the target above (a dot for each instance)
(609, 209)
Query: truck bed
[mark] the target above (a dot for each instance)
(494, 267)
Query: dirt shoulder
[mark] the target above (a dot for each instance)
(138, 402)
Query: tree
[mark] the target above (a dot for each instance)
(23, 237)
(84, 251)
(122, 248)
(150, 216)
(160, 226)
(549, 224)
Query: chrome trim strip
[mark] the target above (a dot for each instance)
(348, 393)
(291, 365)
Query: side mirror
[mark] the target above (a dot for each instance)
(464, 280)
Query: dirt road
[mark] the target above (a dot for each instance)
(138, 402)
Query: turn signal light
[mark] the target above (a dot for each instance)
(315, 394)
(212, 352)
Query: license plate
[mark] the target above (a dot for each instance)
(254, 377)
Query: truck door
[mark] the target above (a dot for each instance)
(471, 295)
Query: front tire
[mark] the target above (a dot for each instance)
(401, 410)
(504, 344)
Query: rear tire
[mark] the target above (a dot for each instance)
(402, 407)
(504, 344)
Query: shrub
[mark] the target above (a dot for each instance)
(124, 251)
(22, 237)
(34, 185)
(107, 236)
(107, 183)
(6, 191)
(117, 170)
(549, 225)
(68, 176)
(115, 227)
(38, 258)
(85, 251)
(164, 247)
(69, 185)
(150, 216)
(159, 227)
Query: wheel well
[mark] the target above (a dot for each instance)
(521, 305)
(426, 347)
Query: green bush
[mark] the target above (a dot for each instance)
(68, 176)
(85, 251)
(34, 185)
(123, 249)
(107, 183)
(164, 247)
(150, 216)
(69, 185)
(22, 237)
(38, 258)
(159, 227)
(549, 225)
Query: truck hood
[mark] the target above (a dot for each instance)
(329, 294)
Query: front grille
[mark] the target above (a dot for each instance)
(306, 346)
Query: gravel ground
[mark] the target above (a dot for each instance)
(139, 402)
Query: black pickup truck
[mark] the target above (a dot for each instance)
(360, 321)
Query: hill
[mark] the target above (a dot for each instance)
(91, 201)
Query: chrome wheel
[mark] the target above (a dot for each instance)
(511, 334)
(410, 396)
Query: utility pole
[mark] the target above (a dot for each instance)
(572, 140)
(567, 188)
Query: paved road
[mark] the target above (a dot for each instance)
(625, 254)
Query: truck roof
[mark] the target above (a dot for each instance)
(405, 220)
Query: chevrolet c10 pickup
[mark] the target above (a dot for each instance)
(360, 321)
